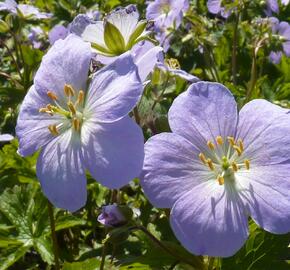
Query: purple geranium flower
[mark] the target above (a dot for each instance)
(57, 32)
(272, 6)
(34, 36)
(79, 127)
(285, 2)
(281, 29)
(112, 216)
(219, 167)
(26, 11)
(215, 7)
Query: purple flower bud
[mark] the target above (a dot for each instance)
(111, 216)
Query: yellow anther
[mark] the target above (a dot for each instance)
(48, 106)
(235, 166)
(76, 124)
(238, 149)
(71, 107)
(247, 164)
(241, 144)
(80, 98)
(210, 145)
(68, 90)
(231, 140)
(219, 140)
(52, 95)
(53, 130)
(202, 158)
(221, 180)
(210, 164)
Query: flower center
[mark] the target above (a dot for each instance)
(225, 158)
(72, 110)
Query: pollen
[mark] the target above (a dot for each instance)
(219, 140)
(221, 180)
(241, 144)
(235, 166)
(52, 95)
(72, 108)
(238, 150)
(68, 90)
(53, 130)
(210, 145)
(80, 98)
(202, 158)
(231, 140)
(247, 164)
(210, 164)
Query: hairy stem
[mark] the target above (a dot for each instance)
(53, 235)
(234, 49)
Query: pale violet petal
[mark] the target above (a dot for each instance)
(94, 33)
(6, 137)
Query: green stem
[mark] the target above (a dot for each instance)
(104, 251)
(253, 79)
(53, 235)
(199, 264)
(234, 49)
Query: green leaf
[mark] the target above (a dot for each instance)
(4, 27)
(114, 39)
(135, 35)
(90, 264)
(43, 246)
(12, 257)
(68, 221)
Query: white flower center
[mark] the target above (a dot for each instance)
(72, 111)
(225, 158)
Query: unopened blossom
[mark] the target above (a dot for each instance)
(282, 30)
(57, 32)
(218, 167)
(118, 33)
(81, 125)
(27, 11)
(35, 35)
(112, 216)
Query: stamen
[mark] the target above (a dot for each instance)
(235, 166)
(68, 90)
(71, 108)
(219, 140)
(210, 164)
(238, 149)
(80, 98)
(76, 124)
(53, 130)
(231, 140)
(52, 95)
(247, 164)
(241, 144)
(202, 158)
(221, 180)
(210, 145)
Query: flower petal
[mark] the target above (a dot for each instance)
(262, 127)
(210, 221)
(6, 137)
(170, 169)
(214, 6)
(32, 126)
(114, 90)
(61, 174)
(266, 193)
(113, 152)
(67, 62)
(94, 33)
(204, 111)
(125, 19)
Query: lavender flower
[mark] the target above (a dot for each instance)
(6, 137)
(281, 29)
(118, 33)
(215, 7)
(56, 33)
(111, 216)
(27, 11)
(166, 14)
(272, 6)
(34, 36)
(285, 2)
(219, 167)
(79, 127)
